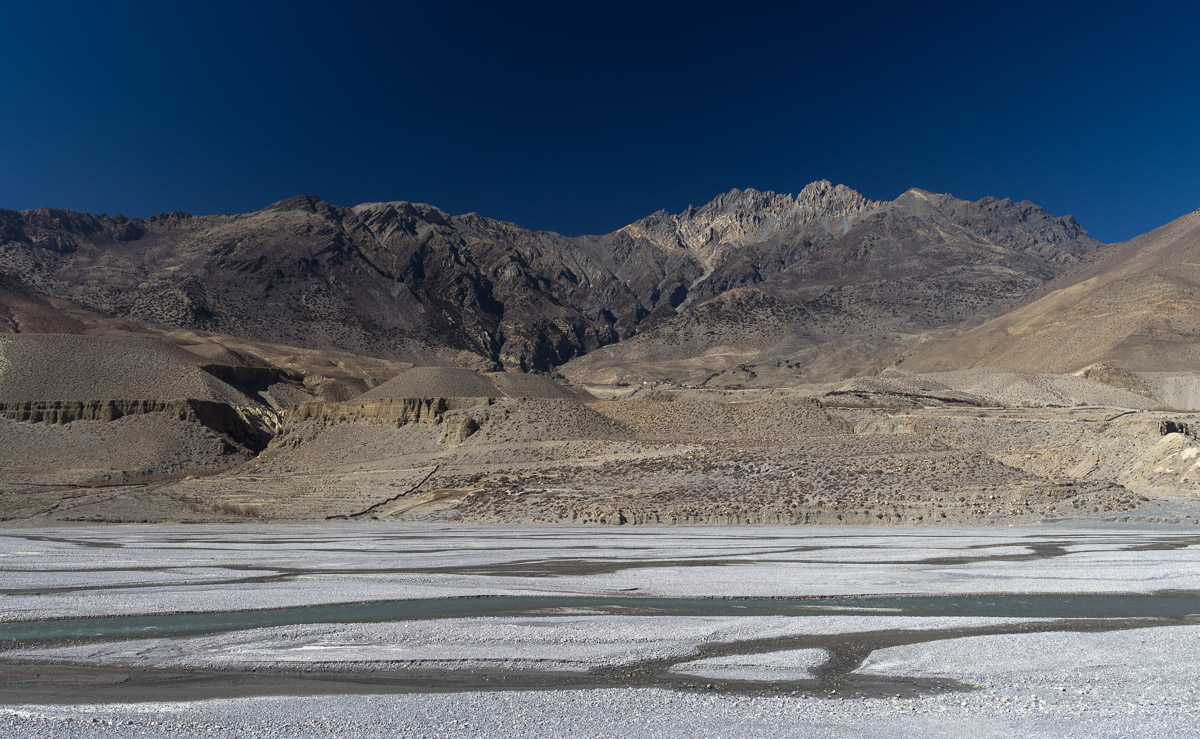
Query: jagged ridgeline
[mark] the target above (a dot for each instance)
(404, 281)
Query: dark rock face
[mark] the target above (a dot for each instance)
(408, 281)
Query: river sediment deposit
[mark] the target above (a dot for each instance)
(385, 629)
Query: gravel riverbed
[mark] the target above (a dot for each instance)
(724, 675)
(1045, 711)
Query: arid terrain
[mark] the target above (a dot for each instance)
(478, 370)
(450, 444)
(764, 358)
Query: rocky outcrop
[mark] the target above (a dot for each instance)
(458, 418)
(1118, 377)
(392, 411)
(737, 219)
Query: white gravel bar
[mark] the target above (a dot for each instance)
(790, 664)
(351, 562)
(641, 713)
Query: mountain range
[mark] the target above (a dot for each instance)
(819, 285)
(768, 358)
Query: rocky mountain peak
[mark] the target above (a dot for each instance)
(818, 200)
(918, 200)
(401, 215)
(737, 199)
(825, 201)
(735, 219)
(306, 203)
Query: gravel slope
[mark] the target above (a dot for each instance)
(436, 382)
(62, 367)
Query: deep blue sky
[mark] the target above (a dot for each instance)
(581, 117)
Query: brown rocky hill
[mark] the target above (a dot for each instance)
(1137, 306)
(395, 280)
(827, 299)
(409, 282)
(331, 374)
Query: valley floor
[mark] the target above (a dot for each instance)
(375, 628)
(753, 457)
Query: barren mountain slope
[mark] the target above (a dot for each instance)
(327, 373)
(854, 302)
(52, 367)
(396, 280)
(1136, 306)
(405, 281)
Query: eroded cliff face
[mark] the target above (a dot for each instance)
(303, 420)
(1147, 452)
(250, 426)
(657, 457)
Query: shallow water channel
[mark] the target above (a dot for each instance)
(1160, 605)
(836, 677)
